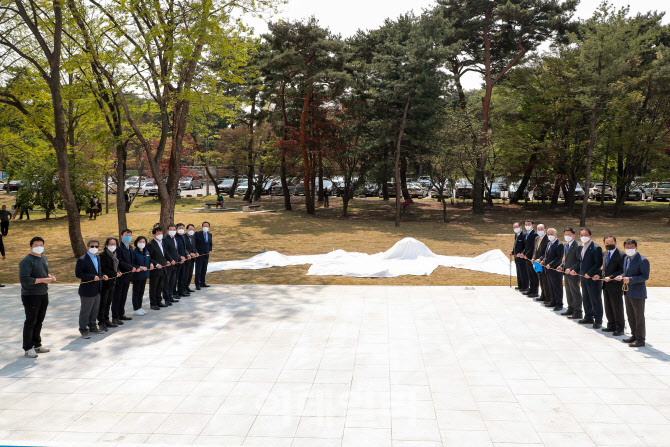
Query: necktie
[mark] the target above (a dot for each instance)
(607, 261)
(625, 269)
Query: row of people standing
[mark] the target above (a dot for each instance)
(543, 264)
(106, 272)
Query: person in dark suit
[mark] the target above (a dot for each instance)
(517, 251)
(172, 255)
(186, 254)
(553, 259)
(203, 245)
(541, 242)
(590, 265)
(95, 207)
(529, 248)
(571, 264)
(636, 271)
(109, 266)
(612, 292)
(143, 267)
(156, 277)
(125, 257)
(189, 241)
(88, 270)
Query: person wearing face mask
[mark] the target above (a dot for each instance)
(612, 293)
(635, 274)
(541, 242)
(143, 267)
(203, 245)
(156, 277)
(89, 271)
(109, 266)
(590, 265)
(529, 248)
(35, 279)
(552, 260)
(172, 254)
(570, 265)
(124, 255)
(189, 241)
(186, 256)
(519, 262)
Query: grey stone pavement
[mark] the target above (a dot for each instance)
(330, 366)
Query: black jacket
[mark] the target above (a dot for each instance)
(85, 270)
(189, 242)
(542, 248)
(201, 246)
(107, 268)
(181, 245)
(554, 254)
(171, 252)
(529, 246)
(125, 257)
(519, 244)
(157, 256)
(592, 260)
(614, 267)
(572, 256)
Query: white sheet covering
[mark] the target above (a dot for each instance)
(406, 257)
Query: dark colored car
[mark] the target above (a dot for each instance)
(464, 192)
(14, 185)
(636, 193)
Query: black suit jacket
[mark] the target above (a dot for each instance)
(529, 246)
(592, 260)
(201, 246)
(614, 267)
(107, 268)
(125, 257)
(86, 271)
(157, 256)
(519, 244)
(542, 248)
(189, 242)
(554, 254)
(171, 252)
(181, 245)
(572, 256)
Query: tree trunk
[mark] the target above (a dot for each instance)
(385, 186)
(233, 187)
(589, 158)
(397, 165)
(319, 161)
(282, 166)
(309, 203)
(121, 206)
(602, 191)
(250, 154)
(555, 193)
(403, 178)
(518, 194)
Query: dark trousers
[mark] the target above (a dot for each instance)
(544, 286)
(555, 280)
(88, 312)
(4, 228)
(36, 309)
(138, 293)
(181, 280)
(613, 300)
(593, 304)
(190, 268)
(573, 293)
(533, 279)
(106, 297)
(120, 297)
(521, 273)
(635, 311)
(201, 270)
(325, 201)
(169, 281)
(178, 280)
(24, 211)
(156, 280)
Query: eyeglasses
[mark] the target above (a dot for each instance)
(94, 246)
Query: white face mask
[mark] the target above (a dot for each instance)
(172, 233)
(159, 237)
(93, 250)
(631, 252)
(541, 233)
(568, 238)
(141, 245)
(585, 239)
(517, 230)
(529, 227)
(180, 231)
(38, 250)
(551, 238)
(111, 248)
(191, 232)
(205, 229)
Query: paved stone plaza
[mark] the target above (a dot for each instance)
(311, 366)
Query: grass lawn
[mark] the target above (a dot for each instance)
(369, 229)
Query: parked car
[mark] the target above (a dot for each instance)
(277, 189)
(579, 192)
(133, 181)
(416, 190)
(657, 191)
(464, 192)
(596, 192)
(2, 184)
(190, 183)
(370, 190)
(496, 188)
(636, 192)
(242, 188)
(446, 193)
(225, 185)
(14, 185)
(541, 191)
(391, 190)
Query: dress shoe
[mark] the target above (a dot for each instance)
(162, 305)
(189, 290)
(111, 324)
(182, 294)
(636, 344)
(617, 333)
(557, 308)
(628, 340)
(117, 321)
(95, 330)
(2, 285)
(205, 285)
(123, 317)
(567, 312)
(155, 308)
(533, 296)
(197, 287)
(597, 325)
(576, 316)
(586, 321)
(516, 288)
(168, 303)
(103, 327)
(608, 329)
(525, 292)
(549, 304)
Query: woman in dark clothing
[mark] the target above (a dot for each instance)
(142, 261)
(109, 266)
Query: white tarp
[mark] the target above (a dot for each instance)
(406, 257)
